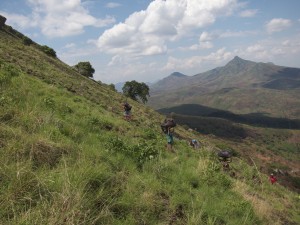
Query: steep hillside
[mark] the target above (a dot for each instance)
(241, 86)
(68, 157)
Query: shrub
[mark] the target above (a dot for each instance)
(49, 51)
(85, 69)
(27, 40)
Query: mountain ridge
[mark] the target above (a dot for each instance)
(237, 78)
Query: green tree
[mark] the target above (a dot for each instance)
(85, 69)
(27, 41)
(136, 90)
(112, 87)
(49, 51)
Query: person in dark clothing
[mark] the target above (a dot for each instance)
(127, 111)
(225, 158)
(168, 128)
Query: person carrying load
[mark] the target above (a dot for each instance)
(168, 128)
(225, 158)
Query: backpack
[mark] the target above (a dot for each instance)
(224, 154)
(127, 106)
(168, 123)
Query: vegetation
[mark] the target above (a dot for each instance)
(49, 51)
(68, 157)
(85, 69)
(136, 90)
(112, 87)
(28, 41)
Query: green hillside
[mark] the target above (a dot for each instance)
(68, 157)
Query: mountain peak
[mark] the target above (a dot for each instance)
(177, 74)
(237, 59)
(238, 63)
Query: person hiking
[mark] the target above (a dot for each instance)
(127, 111)
(272, 178)
(168, 128)
(225, 158)
(194, 143)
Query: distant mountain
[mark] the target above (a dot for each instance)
(119, 86)
(169, 82)
(241, 86)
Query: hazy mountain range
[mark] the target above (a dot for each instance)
(241, 86)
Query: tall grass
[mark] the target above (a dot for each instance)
(67, 157)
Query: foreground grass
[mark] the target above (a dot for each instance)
(68, 157)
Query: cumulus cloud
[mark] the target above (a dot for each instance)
(147, 32)
(195, 62)
(248, 13)
(271, 49)
(206, 39)
(21, 20)
(58, 18)
(278, 24)
(205, 36)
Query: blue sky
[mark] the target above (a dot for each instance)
(147, 40)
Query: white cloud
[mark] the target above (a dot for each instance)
(271, 50)
(248, 13)
(255, 48)
(206, 39)
(147, 32)
(112, 5)
(58, 18)
(229, 34)
(205, 36)
(19, 20)
(70, 45)
(206, 45)
(196, 62)
(278, 24)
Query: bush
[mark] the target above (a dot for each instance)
(49, 51)
(85, 69)
(27, 40)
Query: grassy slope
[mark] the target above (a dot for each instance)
(68, 157)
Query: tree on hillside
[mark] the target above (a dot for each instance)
(85, 69)
(136, 90)
(112, 87)
(49, 51)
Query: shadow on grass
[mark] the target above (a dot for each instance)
(224, 123)
(254, 119)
